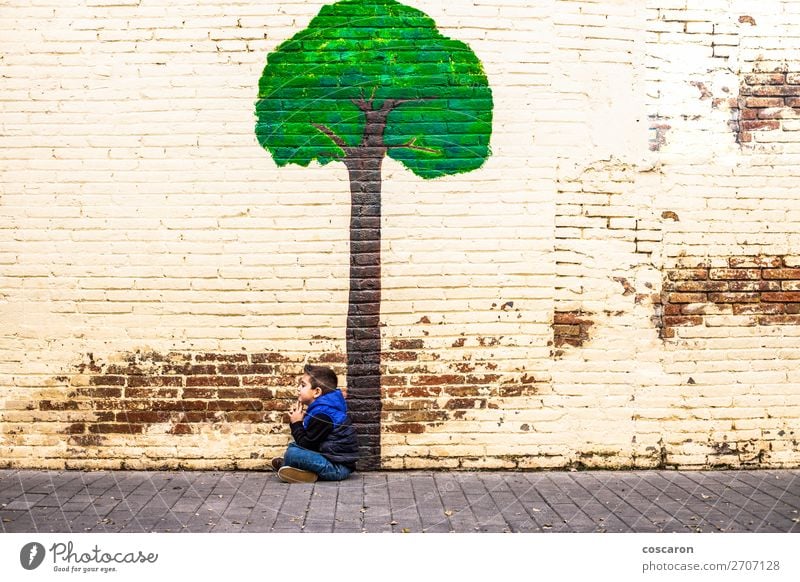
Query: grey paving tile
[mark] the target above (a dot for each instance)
(399, 486)
(644, 501)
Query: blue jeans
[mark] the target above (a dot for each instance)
(300, 458)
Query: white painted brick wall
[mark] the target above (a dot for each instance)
(138, 212)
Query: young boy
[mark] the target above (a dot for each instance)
(325, 445)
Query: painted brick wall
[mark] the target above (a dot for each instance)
(617, 286)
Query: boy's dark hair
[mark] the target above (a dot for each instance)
(322, 377)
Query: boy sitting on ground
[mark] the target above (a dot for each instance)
(325, 445)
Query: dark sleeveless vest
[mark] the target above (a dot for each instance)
(341, 445)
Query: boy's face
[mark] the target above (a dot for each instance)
(307, 394)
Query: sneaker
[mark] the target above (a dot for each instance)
(276, 463)
(294, 475)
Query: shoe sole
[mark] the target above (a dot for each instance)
(292, 475)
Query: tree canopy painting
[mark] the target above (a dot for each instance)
(369, 79)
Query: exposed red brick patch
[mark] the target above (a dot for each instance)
(180, 394)
(760, 286)
(571, 328)
(421, 390)
(174, 393)
(404, 344)
(765, 100)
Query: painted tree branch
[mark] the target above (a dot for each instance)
(365, 104)
(411, 145)
(324, 129)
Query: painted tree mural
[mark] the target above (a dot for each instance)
(369, 79)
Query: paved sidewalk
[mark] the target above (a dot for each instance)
(425, 501)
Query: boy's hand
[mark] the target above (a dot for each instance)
(296, 413)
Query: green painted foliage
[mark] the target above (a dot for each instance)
(377, 49)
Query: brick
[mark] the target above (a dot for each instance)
(733, 297)
(154, 381)
(671, 321)
(212, 381)
(779, 320)
(107, 381)
(248, 405)
(698, 286)
(781, 273)
(570, 318)
(50, 405)
(245, 369)
(754, 285)
(268, 358)
(768, 79)
(706, 308)
(256, 381)
(201, 393)
(247, 417)
(735, 274)
(409, 428)
(787, 297)
(567, 330)
(146, 417)
(755, 262)
(686, 297)
(756, 102)
(761, 125)
(225, 358)
(416, 344)
(465, 403)
(775, 113)
(151, 393)
(400, 356)
(775, 90)
(246, 393)
(688, 275)
(759, 309)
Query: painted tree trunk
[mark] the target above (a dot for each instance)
(363, 316)
(305, 112)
